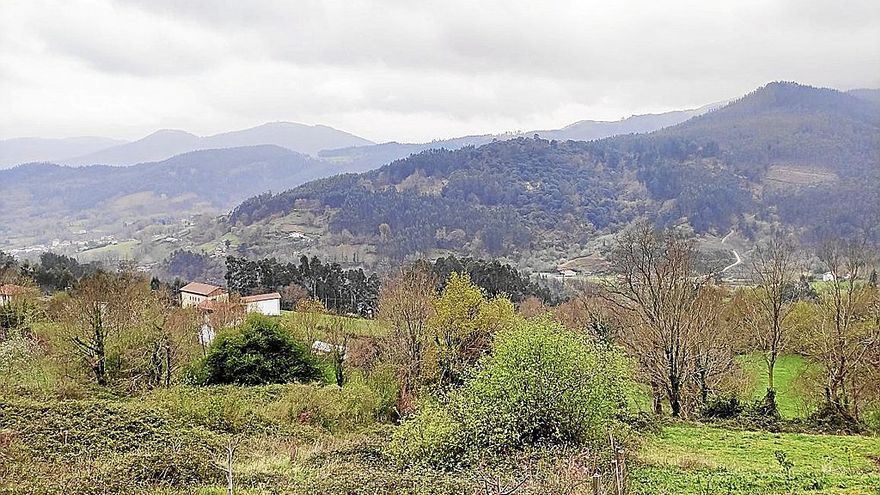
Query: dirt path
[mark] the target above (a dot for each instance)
(735, 254)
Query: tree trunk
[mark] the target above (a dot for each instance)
(657, 397)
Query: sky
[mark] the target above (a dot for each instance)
(408, 70)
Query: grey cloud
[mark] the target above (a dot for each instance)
(455, 64)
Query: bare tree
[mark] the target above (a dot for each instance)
(657, 288)
(102, 311)
(712, 347)
(773, 272)
(406, 302)
(845, 338)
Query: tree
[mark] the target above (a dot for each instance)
(713, 350)
(406, 303)
(462, 326)
(846, 334)
(541, 385)
(773, 273)
(258, 352)
(657, 289)
(104, 310)
(19, 314)
(169, 340)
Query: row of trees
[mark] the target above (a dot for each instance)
(342, 291)
(53, 272)
(685, 330)
(353, 292)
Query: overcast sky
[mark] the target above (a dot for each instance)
(408, 70)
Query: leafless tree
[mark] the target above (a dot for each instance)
(658, 289)
(100, 311)
(845, 338)
(773, 271)
(406, 302)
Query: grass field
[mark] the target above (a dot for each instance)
(788, 370)
(360, 327)
(699, 459)
(303, 439)
(63, 436)
(122, 250)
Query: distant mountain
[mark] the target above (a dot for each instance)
(866, 94)
(297, 137)
(24, 150)
(588, 130)
(717, 171)
(163, 144)
(362, 158)
(208, 181)
(786, 123)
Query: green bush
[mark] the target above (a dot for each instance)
(722, 407)
(258, 352)
(541, 385)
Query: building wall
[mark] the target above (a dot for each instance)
(272, 307)
(187, 299)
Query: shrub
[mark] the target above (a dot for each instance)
(258, 352)
(722, 407)
(541, 385)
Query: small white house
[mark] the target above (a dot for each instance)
(828, 277)
(266, 304)
(195, 293)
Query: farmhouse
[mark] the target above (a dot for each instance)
(8, 291)
(267, 304)
(195, 293)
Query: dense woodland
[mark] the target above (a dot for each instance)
(711, 171)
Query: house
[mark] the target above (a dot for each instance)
(195, 293)
(8, 291)
(267, 304)
(828, 277)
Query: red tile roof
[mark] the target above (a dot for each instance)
(260, 297)
(14, 290)
(201, 289)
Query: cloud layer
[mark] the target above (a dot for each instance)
(403, 70)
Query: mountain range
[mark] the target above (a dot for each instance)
(318, 140)
(163, 144)
(779, 155)
(786, 154)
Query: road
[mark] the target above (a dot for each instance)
(738, 259)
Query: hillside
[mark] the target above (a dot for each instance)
(717, 171)
(36, 196)
(163, 144)
(787, 123)
(32, 149)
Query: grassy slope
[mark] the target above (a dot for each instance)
(788, 370)
(360, 327)
(695, 459)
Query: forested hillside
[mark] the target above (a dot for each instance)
(741, 164)
(34, 195)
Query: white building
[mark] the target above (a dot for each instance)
(267, 304)
(195, 293)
